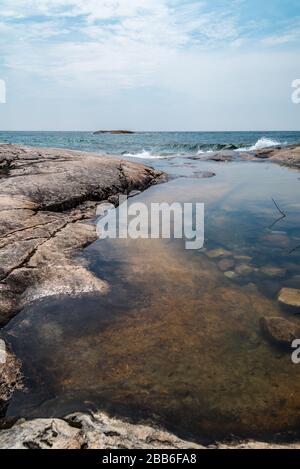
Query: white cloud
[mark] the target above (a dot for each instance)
(93, 9)
(289, 33)
(290, 37)
(127, 49)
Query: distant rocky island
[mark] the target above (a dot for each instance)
(114, 132)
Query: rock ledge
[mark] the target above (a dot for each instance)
(48, 198)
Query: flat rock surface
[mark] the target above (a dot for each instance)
(48, 198)
(222, 155)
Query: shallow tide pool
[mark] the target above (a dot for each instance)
(175, 341)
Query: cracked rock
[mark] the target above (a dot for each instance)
(48, 199)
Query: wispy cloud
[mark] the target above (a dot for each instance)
(109, 42)
(108, 46)
(289, 33)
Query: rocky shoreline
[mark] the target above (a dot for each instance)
(99, 431)
(285, 156)
(48, 199)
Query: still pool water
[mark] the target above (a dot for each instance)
(176, 342)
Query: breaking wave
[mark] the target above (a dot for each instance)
(146, 155)
(187, 149)
(261, 144)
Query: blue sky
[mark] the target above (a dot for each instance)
(149, 64)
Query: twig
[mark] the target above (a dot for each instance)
(278, 208)
(283, 215)
(294, 250)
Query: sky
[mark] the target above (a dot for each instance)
(149, 64)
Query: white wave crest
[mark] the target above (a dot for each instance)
(265, 143)
(261, 144)
(146, 155)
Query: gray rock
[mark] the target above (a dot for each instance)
(284, 155)
(221, 156)
(97, 431)
(204, 174)
(48, 198)
(287, 155)
(10, 378)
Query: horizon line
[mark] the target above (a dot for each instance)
(154, 131)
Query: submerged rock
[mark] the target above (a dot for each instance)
(218, 253)
(230, 274)
(276, 239)
(273, 271)
(280, 331)
(223, 155)
(243, 259)
(250, 287)
(226, 264)
(204, 174)
(290, 297)
(244, 270)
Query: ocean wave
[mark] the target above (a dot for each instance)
(146, 155)
(187, 149)
(200, 147)
(261, 144)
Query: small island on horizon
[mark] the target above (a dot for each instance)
(114, 132)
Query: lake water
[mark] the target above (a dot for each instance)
(152, 145)
(176, 342)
